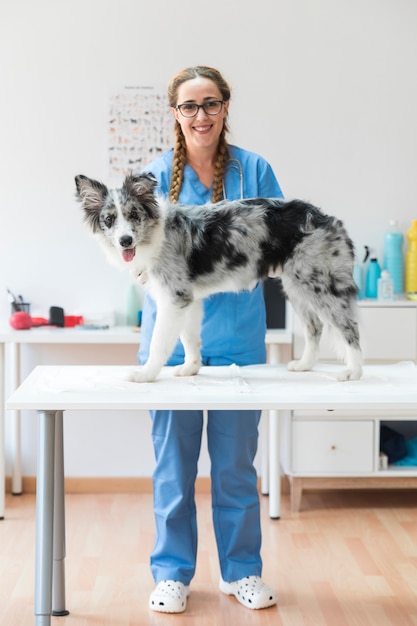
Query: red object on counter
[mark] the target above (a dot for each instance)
(73, 320)
(39, 321)
(21, 321)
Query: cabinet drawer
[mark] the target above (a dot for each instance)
(331, 447)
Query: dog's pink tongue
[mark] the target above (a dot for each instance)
(128, 254)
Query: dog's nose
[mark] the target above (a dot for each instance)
(126, 241)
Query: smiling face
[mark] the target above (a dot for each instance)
(202, 131)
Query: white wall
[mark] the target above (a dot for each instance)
(325, 90)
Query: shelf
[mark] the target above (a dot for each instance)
(398, 303)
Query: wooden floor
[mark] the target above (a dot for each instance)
(347, 558)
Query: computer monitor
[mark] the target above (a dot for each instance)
(275, 303)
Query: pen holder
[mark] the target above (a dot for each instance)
(20, 306)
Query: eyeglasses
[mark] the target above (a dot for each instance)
(190, 109)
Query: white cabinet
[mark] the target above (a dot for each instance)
(388, 332)
(341, 448)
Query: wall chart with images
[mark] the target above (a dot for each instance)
(140, 128)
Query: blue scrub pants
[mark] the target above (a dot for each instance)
(232, 442)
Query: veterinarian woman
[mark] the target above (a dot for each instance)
(203, 167)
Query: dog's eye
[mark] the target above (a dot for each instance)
(134, 215)
(108, 221)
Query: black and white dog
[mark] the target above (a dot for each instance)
(186, 253)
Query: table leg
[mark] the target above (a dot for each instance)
(265, 453)
(274, 452)
(14, 369)
(58, 585)
(2, 426)
(44, 517)
(274, 466)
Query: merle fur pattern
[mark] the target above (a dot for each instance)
(183, 254)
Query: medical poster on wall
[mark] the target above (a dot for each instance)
(140, 128)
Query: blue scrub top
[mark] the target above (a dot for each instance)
(234, 324)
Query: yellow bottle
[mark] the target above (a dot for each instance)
(411, 263)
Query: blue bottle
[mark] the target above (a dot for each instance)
(393, 256)
(372, 275)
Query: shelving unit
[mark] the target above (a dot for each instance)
(340, 449)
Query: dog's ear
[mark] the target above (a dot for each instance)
(140, 184)
(89, 192)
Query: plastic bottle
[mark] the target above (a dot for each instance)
(411, 262)
(385, 286)
(393, 256)
(132, 306)
(372, 275)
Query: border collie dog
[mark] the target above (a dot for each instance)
(186, 253)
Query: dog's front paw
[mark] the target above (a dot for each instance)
(187, 369)
(141, 376)
(299, 366)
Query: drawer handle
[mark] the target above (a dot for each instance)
(333, 447)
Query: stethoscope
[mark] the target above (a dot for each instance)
(234, 164)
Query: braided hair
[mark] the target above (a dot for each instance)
(180, 148)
